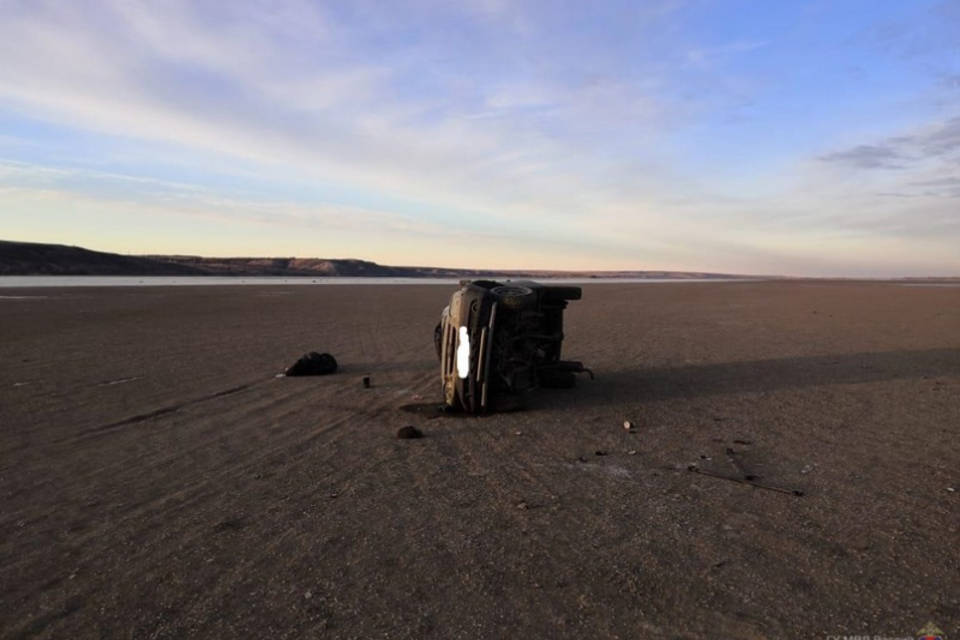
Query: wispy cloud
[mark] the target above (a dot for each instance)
(865, 156)
(937, 143)
(244, 89)
(708, 56)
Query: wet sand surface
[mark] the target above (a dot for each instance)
(158, 480)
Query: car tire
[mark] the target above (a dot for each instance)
(515, 297)
(558, 293)
(508, 402)
(557, 380)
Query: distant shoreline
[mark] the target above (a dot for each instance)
(52, 282)
(28, 259)
(35, 259)
(49, 281)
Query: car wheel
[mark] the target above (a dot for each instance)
(507, 402)
(515, 297)
(557, 380)
(557, 293)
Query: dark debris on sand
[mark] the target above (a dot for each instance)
(313, 364)
(409, 432)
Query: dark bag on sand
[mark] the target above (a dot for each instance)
(313, 364)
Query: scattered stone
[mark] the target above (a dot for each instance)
(582, 458)
(632, 452)
(523, 506)
(409, 432)
(703, 457)
(230, 524)
(951, 489)
(307, 595)
(806, 469)
(366, 382)
(518, 433)
(313, 364)
(627, 425)
(600, 453)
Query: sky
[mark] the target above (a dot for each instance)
(815, 138)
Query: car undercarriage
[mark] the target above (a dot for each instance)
(496, 341)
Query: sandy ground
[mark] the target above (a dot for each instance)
(158, 480)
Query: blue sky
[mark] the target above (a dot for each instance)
(803, 138)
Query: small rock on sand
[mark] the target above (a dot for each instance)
(627, 425)
(409, 432)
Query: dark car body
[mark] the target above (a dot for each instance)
(496, 340)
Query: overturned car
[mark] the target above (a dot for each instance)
(497, 340)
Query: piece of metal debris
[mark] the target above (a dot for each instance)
(748, 480)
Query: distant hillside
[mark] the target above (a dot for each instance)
(316, 267)
(320, 267)
(27, 258)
